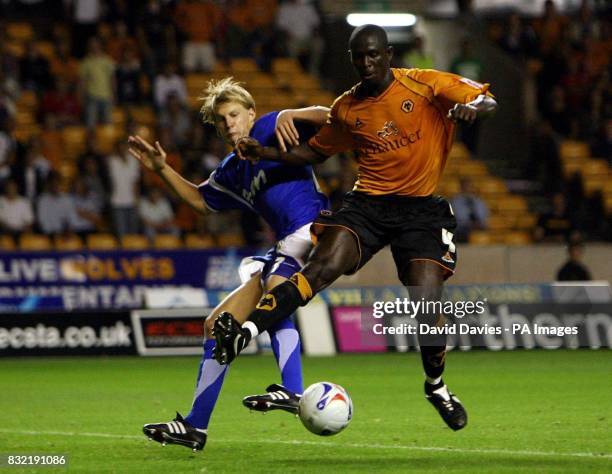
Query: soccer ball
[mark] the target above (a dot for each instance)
(325, 408)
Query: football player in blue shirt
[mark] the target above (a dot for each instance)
(288, 198)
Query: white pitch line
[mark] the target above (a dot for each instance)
(335, 445)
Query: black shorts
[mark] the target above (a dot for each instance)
(416, 228)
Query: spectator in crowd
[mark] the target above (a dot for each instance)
(120, 42)
(169, 83)
(97, 85)
(124, 173)
(237, 29)
(51, 141)
(519, 40)
(156, 214)
(299, 22)
(85, 17)
(467, 65)
(63, 65)
(176, 118)
(544, 161)
(198, 21)
(55, 209)
(94, 182)
(63, 102)
(87, 210)
(173, 158)
(156, 36)
(31, 172)
(556, 225)
(550, 28)
(417, 57)
(16, 214)
(557, 112)
(8, 146)
(470, 211)
(574, 269)
(128, 77)
(34, 70)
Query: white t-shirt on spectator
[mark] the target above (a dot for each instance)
(16, 214)
(55, 212)
(124, 175)
(155, 212)
(164, 86)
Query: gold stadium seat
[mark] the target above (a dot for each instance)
(305, 82)
(106, 138)
(167, 242)
(134, 242)
(46, 49)
(6, 243)
(196, 241)
(573, 164)
(491, 186)
(473, 169)
(517, 238)
(19, 31)
(595, 168)
(480, 237)
(593, 183)
(500, 223)
(286, 66)
(27, 101)
(101, 242)
(511, 204)
(243, 65)
(230, 240)
(144, 115)
(34, 242)
(608, 203)
(68, 242)
(574, 149)
(526, 221)
(74, 138)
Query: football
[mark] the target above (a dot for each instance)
(325, 408)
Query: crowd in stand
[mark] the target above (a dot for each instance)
(114, 54)
(569, 60)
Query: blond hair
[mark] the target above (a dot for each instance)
(221, 92)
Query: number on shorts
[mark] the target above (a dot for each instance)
(447, 239)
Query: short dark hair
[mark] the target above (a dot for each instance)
(374, 30)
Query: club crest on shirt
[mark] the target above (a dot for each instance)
(388, 129)
(407, 106)
(267, 303)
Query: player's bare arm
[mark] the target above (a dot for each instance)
(250, 149)
(154, 159)
(287, 133)
(481, 107)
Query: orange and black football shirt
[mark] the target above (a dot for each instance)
(403, 136)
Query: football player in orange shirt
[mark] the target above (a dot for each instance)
(401, 124)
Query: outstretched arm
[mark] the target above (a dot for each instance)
(250, 149)
(154, 159)
(481, 107)
(286, 132)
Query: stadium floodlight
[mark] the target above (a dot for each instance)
(381, 19)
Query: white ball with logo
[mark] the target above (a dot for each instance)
(325, 408)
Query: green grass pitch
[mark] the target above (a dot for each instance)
(529, 411)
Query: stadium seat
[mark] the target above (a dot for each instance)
(473, 169)
(595, 168)
(608, 203)
(230, 240)
(7, 243)
(134, 242)
(573, 164)
(167, 242)
(458, 151)
(46, 49)
(196, 241)
(68, 242)
(19, 31)
(74, 140)
(305, 82)
(144, 115)
(24, 118)
(34, 242)
(517, 238)
(101, 242)
(106, 138)
(25, 132)
(511, 204)
(480, 237)
(526, 221)
(593, 183)
(27, 100)
(491, 186)
(240, 66)
(118, 116)
(574, 149)
(500, 223)
(286, 66)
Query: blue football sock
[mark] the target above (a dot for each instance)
(287, 350)
(208, 386)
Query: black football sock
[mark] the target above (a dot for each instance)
(280, 302)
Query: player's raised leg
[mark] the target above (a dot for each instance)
(192, 431)
(425, 279)
(336, 253)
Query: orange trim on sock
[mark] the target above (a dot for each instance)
(301, 283)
